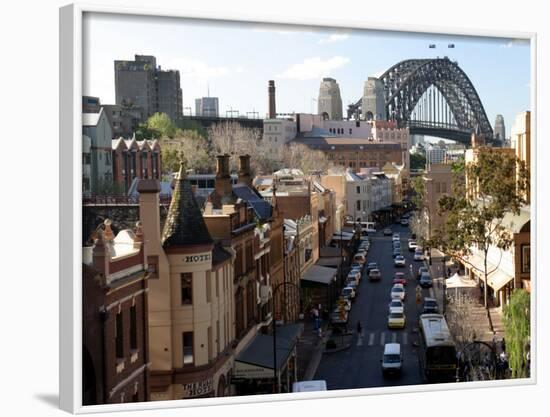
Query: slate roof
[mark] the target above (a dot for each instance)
(219, 255)
(184, 224)
(261, 207)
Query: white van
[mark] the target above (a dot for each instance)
(392, 359)
(309, 386)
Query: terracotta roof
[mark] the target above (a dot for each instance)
(184, 224)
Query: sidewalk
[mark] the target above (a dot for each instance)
(310, 350)
(486, 328)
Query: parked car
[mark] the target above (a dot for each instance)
(399, 278)
(404, 222)
(397, 252)
(396, 303)
(375, 275)
(425, 280)
(418, 255)
(398, 291)
(396, 236)
(355, 273)
(364, 246)
(360, 258)
(387, 231)
(357, 265)
(348, 292)
(392, 359)
(396, 319)
(371, 266)
(430, 306)
(421, 270)
(352, 282)
(399, 260)
(412, 245)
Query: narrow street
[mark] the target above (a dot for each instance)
(359, 366)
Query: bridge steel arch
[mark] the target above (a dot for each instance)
(406, 82)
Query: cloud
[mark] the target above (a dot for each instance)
(195, 68)
(335, 37)
(515, 42)
(313, 68)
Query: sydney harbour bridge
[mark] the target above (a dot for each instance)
(432, 97)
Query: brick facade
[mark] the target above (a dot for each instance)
(114, 288)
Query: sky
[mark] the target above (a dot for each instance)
(234, 61)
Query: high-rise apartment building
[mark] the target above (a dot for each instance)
(207, 107)
(500, 129)
(330, 101)
(141, 84)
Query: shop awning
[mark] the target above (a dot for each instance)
(331, 262)
(497, 278)
(459, 281)
(256, 360)
(319, 274)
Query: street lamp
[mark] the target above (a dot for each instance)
(276, 386)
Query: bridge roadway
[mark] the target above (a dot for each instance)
(359, 366)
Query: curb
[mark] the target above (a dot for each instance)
(340, 349)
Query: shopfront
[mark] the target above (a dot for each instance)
(253, 371)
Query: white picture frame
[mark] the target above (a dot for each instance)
(70, 63)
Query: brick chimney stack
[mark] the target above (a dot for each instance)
(271, 91)
(245, 176)
(223, 178)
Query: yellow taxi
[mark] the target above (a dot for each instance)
(396, 318)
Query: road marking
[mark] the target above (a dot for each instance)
(404, 338)
(382, 338)
(394, 337)
(371, 339)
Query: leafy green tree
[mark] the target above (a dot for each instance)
(517, 329)
(159, 125)
(418, 161)
(495, 185)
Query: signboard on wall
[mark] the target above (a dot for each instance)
(198, 388)
(249, 371)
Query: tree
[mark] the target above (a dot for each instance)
(234, 139)
(159, 125)
(495, 185)
(517, 330)
(418, 161)
(420, 221)
(297, 155)
(191, 146)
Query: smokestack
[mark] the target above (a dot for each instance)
(223, 179)
(245, 176)
(271, 91)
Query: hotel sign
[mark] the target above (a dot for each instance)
(198, 388)
(198, 258)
